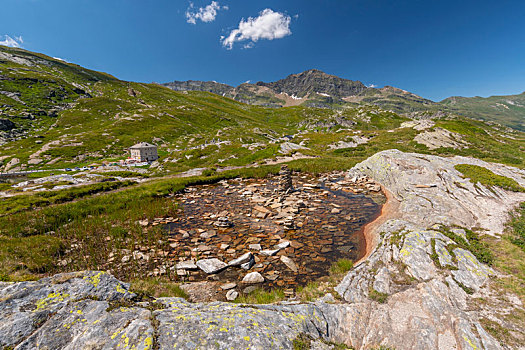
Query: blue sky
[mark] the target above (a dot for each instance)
(433, 48)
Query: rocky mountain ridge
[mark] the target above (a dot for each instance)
(315, 81)
(316, 88)
(312, 87)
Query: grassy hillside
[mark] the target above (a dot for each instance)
(67, 116)
(507, 110)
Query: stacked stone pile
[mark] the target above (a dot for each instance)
(285, 179)
(223, 221)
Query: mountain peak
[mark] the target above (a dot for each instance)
(315, 81)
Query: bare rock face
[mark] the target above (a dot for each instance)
(69, 310)
(93, 310)
(413, 287)
(431, 191)
(440, 138)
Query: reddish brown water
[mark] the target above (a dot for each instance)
(328, 229)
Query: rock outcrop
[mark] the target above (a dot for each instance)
(420, 276)
(315, 81)
(431, 191)
(412, 292)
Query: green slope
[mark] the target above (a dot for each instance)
(66, 115)
(507, 110)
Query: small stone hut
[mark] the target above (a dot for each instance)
(144, 152)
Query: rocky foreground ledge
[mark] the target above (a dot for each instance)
(411, 292)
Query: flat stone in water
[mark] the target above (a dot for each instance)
(282, 245)
(289, 263)
(187, 265)
(270, 252)
(211, 266)
(243, 259)
(227, 286)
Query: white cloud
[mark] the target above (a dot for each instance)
(268, 25)
(205, 14)
(372, 85)
(12, 42)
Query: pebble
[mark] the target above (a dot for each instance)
(232, 295)
(229, 285)
(181, 272)
(253, 277)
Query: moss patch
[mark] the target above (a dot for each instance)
(377, 296)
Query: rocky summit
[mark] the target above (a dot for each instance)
(423, 283)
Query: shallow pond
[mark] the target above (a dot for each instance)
(328, 227)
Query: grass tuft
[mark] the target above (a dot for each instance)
(302, 342)
(473, 243)
(377, 296)
(487, 178)
(341, 266)
(517, 227)
(261, 296)
(157, 288)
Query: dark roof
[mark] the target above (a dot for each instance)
(142, 145)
